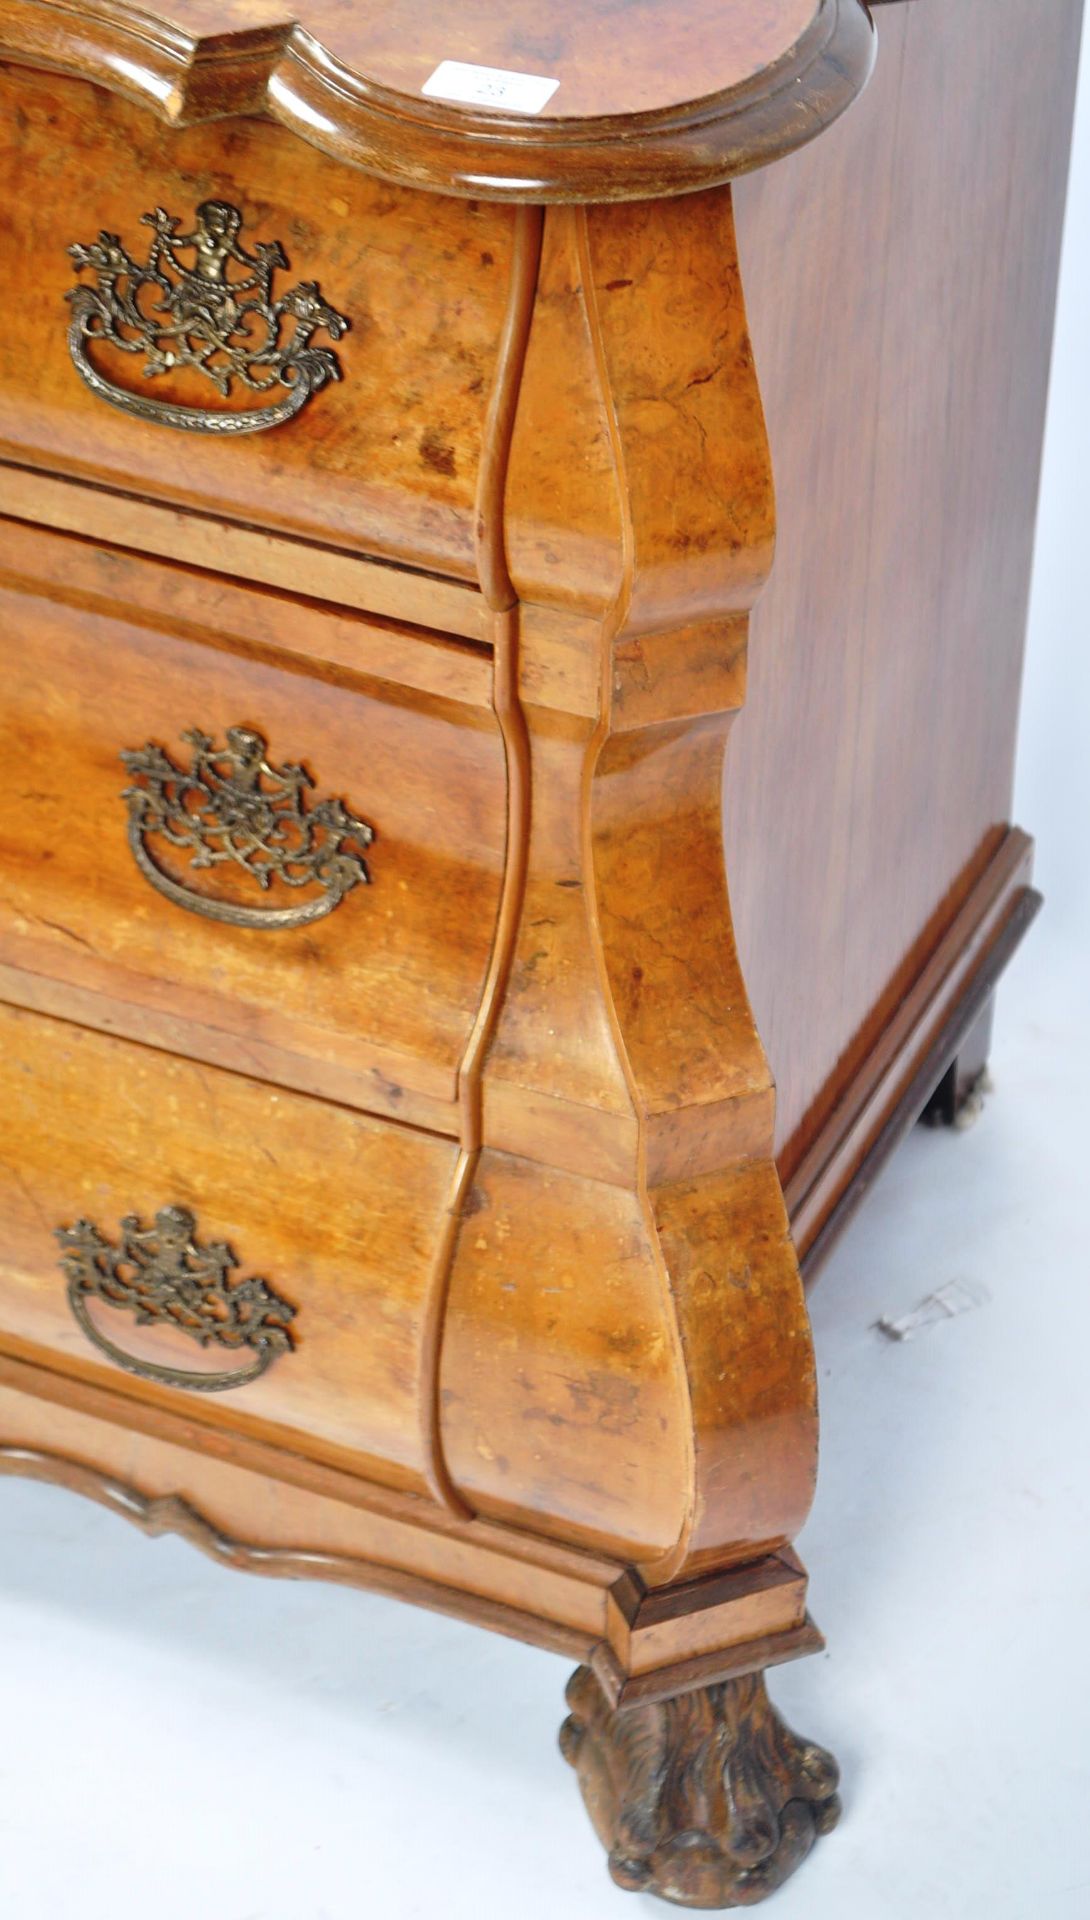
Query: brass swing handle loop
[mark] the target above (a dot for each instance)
(232, 808)
(212, 313)
(163, 1276)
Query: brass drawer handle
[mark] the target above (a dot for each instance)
(163, 1277)
(231, 807)
(216, 317)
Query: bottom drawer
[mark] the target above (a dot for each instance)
(164, 1221)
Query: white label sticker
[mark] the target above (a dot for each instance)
(490, 87)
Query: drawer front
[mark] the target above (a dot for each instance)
(294, 873)
(166, 1222)
(378, 422)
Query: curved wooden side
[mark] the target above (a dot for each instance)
(769, 80)
(499, 595)
(626, 1361)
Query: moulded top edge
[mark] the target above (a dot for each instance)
(495, 99)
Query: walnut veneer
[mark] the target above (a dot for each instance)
(395, 1184)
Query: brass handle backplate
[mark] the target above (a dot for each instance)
(215, 317)
(162, 1276)
(232, 808)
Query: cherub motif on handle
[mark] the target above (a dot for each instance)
(223, 324)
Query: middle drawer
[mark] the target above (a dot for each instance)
(250, 830)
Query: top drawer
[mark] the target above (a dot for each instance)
(263, 248)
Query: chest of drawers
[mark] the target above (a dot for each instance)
(397, 1185)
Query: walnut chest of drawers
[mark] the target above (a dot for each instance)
(406, 1158)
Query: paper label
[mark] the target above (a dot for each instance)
(490, 87)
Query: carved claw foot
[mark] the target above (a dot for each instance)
(706, 1799)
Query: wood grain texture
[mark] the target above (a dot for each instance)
(283, 1503)
(964, 1018)
(169, 1514)
(903, 361)
(743, 82)
(624, 1292)
(498, 592)
(91, 1127)
(255, 1507)
(375, 1003)
(553, 1366)
(624, 1690)
(382, 462)
(700, 1618)
(897, 1075)
(291, 566)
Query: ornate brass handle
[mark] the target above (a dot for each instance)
(216, 317)
(163, 1277)
(231, 807)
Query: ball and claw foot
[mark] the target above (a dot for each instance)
(706, 1799)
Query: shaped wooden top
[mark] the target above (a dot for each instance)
(582, 100)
